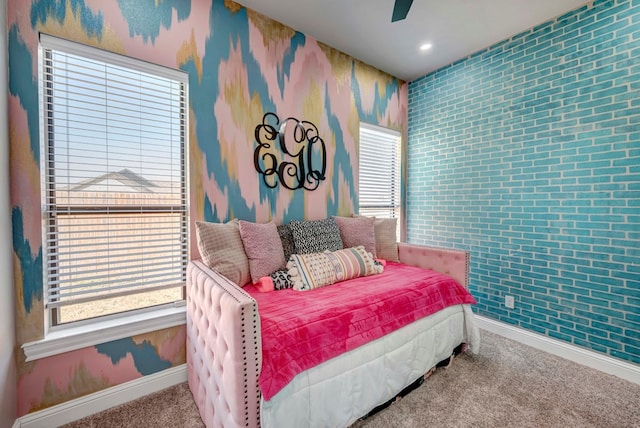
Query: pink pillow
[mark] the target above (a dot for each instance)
(263, 247)
(356, 231)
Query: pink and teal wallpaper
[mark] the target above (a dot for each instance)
(241, 65)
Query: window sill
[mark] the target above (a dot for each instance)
(73, 338)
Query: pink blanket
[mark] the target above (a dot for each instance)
(301, 329)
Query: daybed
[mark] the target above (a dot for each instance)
(240, 377)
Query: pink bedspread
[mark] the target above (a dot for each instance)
(301, 329)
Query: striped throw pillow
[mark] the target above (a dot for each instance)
(315, 270)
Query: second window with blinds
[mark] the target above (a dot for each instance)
(115, 182)
(379, 169)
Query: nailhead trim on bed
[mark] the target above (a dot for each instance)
(232, 332)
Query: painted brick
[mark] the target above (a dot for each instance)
(527, 155)
(559, 335)
(609, 344)
(573, 334)
(592, 345)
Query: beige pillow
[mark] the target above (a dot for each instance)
(221, 249)
(386, 238)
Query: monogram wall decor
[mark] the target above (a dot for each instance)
(290, 153)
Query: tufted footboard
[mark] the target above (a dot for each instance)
(454, 263)
(224, 353)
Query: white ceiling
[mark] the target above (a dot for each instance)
(455, 28)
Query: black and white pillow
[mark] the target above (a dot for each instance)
(286, 237)
(316, 236)
(281, 279)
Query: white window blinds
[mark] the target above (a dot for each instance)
(379, 172)
(115, 175)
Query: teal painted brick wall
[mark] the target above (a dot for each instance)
(527, 154)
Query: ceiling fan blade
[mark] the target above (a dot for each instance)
(400, 10)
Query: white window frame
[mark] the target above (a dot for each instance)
(380, 170)
(88, 332)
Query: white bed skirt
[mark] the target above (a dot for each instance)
(339, 391)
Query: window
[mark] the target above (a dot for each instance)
(114, 189)
(379, 172)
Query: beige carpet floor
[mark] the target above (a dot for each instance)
(506, 384)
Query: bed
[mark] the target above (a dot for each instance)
(231, 332)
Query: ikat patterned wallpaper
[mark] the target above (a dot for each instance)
(240, 66)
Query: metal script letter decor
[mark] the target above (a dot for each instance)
(290, 152)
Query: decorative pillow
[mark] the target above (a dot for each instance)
(222, 250)
(315, 236)
(278, 280)
(286, 237)
(263, 248)
(281, 279)
(386, 238)
(356, 231)
(315, 270)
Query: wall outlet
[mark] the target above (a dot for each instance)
(509, 302)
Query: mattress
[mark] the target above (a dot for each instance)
(301, 329)
(339, 391)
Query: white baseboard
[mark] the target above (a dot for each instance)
(598, 361)
(79, 408)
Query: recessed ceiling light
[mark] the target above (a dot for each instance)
(425, 47)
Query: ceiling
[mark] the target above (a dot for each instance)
(455, 28)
